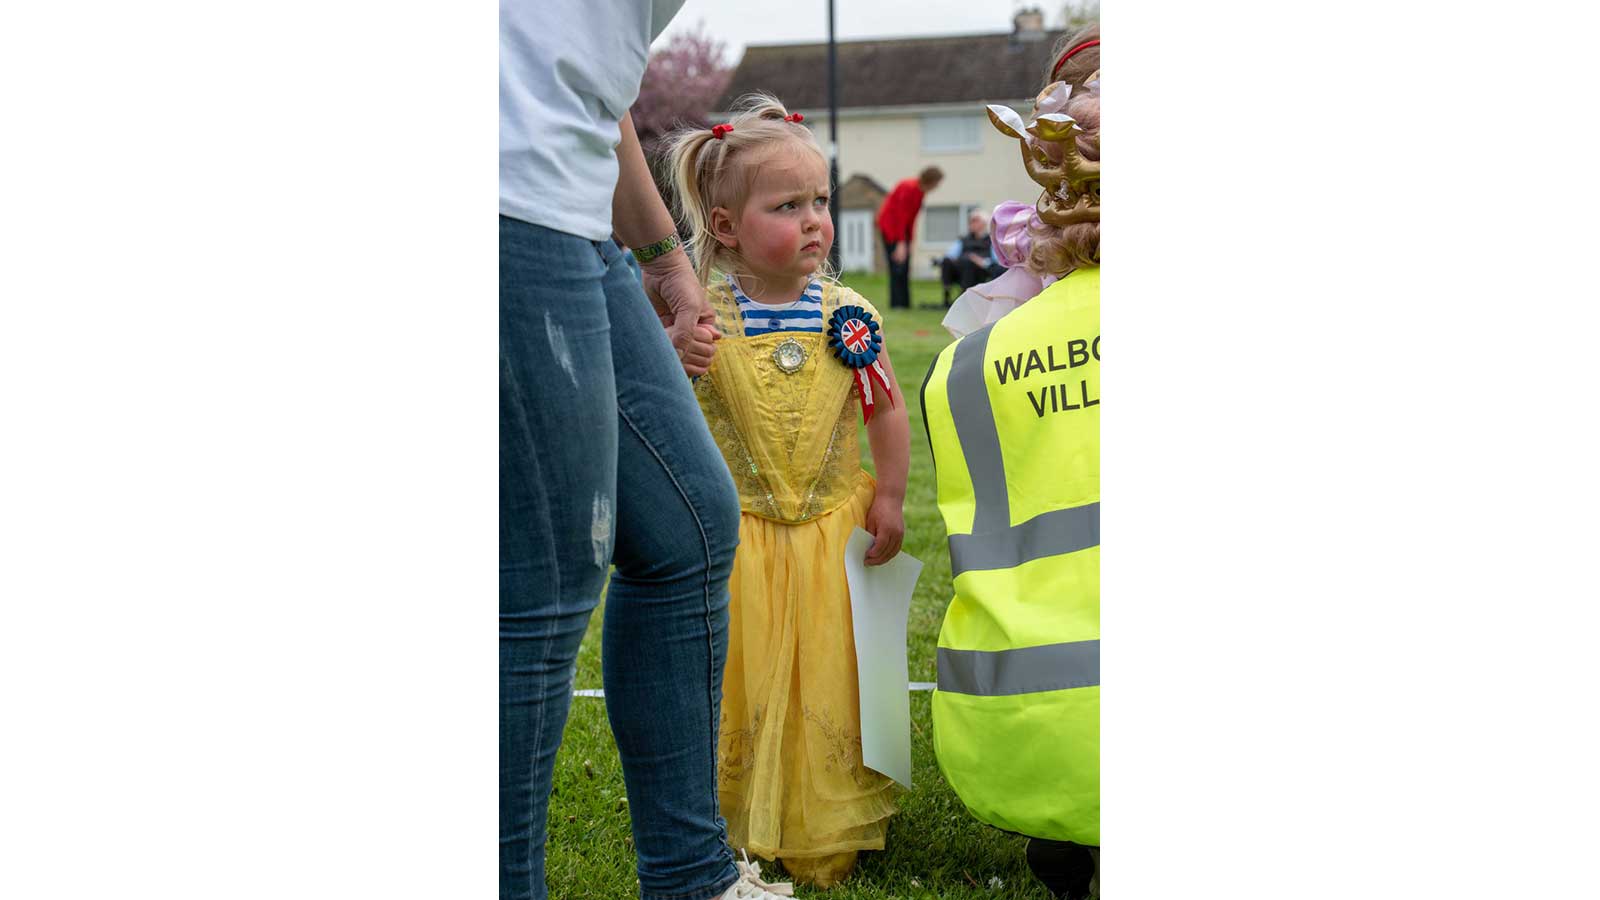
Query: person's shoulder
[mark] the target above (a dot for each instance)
(836, 294)
(1079, 288)
(944, 360)
(725, 304)
(1076, 295)
(866, 304)
(950, 348)
(718, 288)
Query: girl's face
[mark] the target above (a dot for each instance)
(783, 231)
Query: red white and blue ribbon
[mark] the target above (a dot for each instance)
(855, 339)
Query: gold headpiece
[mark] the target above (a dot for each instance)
(1050, 154)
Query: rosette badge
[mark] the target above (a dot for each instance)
(853, 336)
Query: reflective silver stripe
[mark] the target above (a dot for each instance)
(1025, 670)
(1047, 534)
(975, 430)
(994, 543)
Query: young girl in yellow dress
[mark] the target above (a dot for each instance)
(800, 360)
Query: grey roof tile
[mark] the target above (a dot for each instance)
(905, 71)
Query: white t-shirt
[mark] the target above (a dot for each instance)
(569, 70)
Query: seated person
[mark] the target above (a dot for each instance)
(970, 260)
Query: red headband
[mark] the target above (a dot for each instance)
(1068, 55)
(717, 131)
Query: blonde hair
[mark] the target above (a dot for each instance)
(1060, 249)
(708, 172)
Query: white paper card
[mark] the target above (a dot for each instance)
(880, 601)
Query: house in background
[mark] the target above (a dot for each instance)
(905, 104)
(860, 250)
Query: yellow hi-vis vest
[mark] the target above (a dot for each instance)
(1013, 417)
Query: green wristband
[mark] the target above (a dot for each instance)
(647, 253)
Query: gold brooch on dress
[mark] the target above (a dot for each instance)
(789, 355)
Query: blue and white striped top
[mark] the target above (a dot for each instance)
(804, 314)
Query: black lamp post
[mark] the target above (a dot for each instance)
(833, 141)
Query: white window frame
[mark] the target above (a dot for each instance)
(969, 141)
(963, 210)
(858, 244)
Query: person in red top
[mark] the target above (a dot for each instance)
(896, 217)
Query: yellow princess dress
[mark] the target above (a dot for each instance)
(790, 779)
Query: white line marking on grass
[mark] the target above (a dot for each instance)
(600, 692)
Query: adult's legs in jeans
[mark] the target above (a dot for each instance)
(565, 304)
(666, 619)
(558, 468)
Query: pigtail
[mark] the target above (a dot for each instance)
(691, 150)
(760, 106)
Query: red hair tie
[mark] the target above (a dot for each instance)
(1068, 55)
(794, 117)
(717, 131)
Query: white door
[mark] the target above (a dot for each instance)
(855, 245)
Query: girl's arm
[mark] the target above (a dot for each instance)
(889, 436)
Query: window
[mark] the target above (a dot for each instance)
(943, 224)
(958, 133)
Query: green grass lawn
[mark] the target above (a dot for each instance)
(934, 848)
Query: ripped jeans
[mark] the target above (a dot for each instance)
(605, 459)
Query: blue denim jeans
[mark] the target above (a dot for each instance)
(605, 458)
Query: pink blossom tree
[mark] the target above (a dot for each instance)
(681, 82)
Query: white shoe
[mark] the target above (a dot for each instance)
(751, 887)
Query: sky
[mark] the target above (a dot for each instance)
(741, 22)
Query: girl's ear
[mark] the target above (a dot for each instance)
(722, 228)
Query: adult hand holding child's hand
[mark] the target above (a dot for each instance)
(681, 303)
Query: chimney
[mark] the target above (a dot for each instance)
(1028, 24)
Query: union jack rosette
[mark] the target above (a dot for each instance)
(854, 338)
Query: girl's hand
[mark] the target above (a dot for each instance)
(680, 301)
(886, 521)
